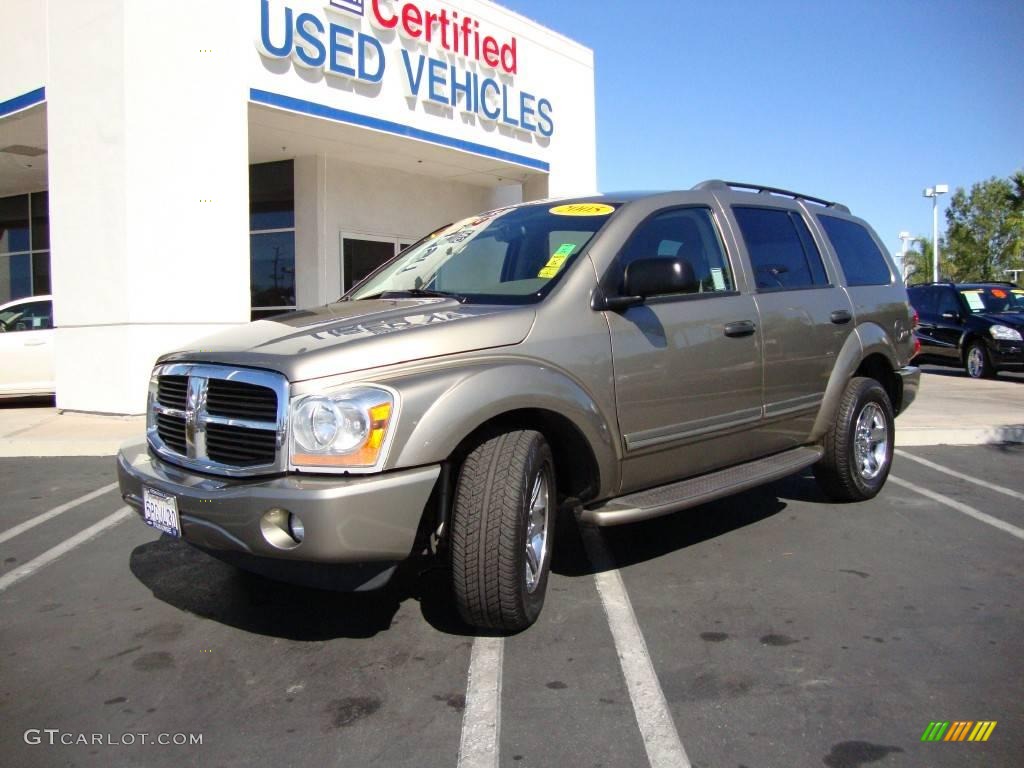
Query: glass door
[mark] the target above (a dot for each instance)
(362, 254)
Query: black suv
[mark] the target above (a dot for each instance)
(976, 325)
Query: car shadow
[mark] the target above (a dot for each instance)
(192, 581)
(650, 539)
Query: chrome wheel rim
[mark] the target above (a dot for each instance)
(975, 362)
(537, 531)
(871, 442)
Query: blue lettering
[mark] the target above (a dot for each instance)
(364, 73)
(334, 66)
(414, 80)
(465, 90)
(302, 32)
(489, 83)
(285, 48)
(526, 111)
(435, 77)
(505, 117)
(547, 123)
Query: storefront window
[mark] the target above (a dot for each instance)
(24, 246)
(272, 238)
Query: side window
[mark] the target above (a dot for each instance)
(948, 301)
(782, 251)
(862, 262)
(32, 316)
(685, 233)
(922, 298)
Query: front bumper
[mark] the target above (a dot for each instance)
(347, 519)
(1006, 355)
(910, 381)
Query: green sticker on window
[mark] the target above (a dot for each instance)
(558, 258)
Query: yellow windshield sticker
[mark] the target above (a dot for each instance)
(583, 209)
(557, 261)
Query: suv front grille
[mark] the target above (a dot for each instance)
(217, 419)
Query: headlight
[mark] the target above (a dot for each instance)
(1003, 333)
(343, 430)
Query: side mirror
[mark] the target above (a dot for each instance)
(659, 277)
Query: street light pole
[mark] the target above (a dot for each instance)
(906, 239)
(933, 193)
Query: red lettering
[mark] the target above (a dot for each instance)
(384, 21)
(412, 20)
(508, 57)
(430, 20)
(491, 52)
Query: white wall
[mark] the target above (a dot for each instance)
(23, 53)
(148, 190)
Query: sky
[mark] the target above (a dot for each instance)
(864, 102)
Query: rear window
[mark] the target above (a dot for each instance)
(859, 255)
(781, 249)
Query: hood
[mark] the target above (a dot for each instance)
(353, 336)
(1011, 319)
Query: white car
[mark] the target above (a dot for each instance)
(26, 347)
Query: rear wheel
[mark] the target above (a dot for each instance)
(859, 446)
(502, 527)
(977, 362)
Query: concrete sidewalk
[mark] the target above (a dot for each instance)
(950, 409)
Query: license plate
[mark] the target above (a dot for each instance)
(160, 511)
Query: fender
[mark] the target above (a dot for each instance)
(866, 340)
(447, 407)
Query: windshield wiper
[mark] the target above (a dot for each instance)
(401, 292)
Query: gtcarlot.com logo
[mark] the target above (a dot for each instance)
(958, 730)
(54, 737)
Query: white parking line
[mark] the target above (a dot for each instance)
(961, 475)
(12, 578)
(481, 720)
(10, 533)
(995, 522)
(658, 730)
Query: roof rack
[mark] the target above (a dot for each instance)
(713, 184)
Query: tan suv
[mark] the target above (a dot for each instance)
(622, 356)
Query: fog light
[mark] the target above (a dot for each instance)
(279, 530)
(296, 528)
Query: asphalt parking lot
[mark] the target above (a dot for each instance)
(782, 631)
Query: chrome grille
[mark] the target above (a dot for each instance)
(217, 419)
(240, 400)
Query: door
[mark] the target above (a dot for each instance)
(805, 318)
(687, 370)
(26, 348)
(362, 254)
(947, 324)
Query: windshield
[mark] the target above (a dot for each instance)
(994, 299)
(508, 256)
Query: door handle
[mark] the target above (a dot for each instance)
(740, 328)
(841, 316)
(34, 343)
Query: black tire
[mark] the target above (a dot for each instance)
(977, 363)
(847, 472)
(489, 524)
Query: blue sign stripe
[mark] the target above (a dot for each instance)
(364, 121)
(24, 101)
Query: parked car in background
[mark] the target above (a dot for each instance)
(26, 347)
(975, 325)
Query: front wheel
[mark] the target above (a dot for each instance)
(502, 526)
(859, 445)
(977, 362)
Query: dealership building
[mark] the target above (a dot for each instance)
(170, 169)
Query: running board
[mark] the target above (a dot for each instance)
(673, 497)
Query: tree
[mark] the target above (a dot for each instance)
(985, 230)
